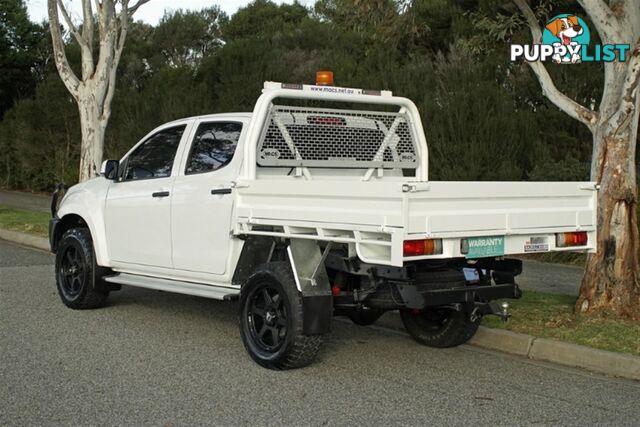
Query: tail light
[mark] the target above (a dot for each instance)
(576, 238)
(422, 247)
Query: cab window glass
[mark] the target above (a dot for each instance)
(213, 146)
(154, 158)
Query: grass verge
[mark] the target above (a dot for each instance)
(551, 316)
(36, 223)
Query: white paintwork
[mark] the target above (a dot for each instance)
(103, 167)
(261, 110)
(191, 236)
(379, 216)
(327, 89)
(201, 222)
(87, 201)
(138, 225)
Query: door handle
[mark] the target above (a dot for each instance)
(221, 191)
(160, 194)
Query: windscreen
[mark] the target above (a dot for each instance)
(334, 138)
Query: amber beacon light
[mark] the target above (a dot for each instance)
(324, 78)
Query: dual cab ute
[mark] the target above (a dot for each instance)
(317, 203)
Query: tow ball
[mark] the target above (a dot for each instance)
(502, 311)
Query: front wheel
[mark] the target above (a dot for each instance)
(439, 327)
(77, 271)
(271, 319)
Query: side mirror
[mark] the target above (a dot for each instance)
(109, 169)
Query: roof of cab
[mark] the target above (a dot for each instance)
(218, 116)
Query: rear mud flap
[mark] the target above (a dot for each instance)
(307, 264)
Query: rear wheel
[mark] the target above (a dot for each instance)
(77, 277)
(271, 319)
(439, 327)
(439, 279)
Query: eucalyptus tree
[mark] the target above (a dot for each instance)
(612, 277)
(94, 88)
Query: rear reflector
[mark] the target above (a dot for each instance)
(576, 238)
(422, 247)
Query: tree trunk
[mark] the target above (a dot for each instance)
(94, 92)
(612, 277)
(92, 128)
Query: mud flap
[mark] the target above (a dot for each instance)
(317, 314)
(307, 264)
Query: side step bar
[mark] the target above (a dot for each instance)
(176, 286)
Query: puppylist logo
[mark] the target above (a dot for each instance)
(566, 40)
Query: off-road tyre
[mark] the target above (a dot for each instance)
(78, 277)
(282, 345)
(365, 317)
(439, 327)
(387, 297)
(439, 279)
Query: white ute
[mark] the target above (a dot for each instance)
(317, 203)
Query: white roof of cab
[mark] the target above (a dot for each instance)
(219, 116)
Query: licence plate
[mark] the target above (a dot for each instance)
(482, 247)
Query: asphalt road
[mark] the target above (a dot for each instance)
(552, 278)
(154, 358)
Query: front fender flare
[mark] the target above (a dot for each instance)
(90, 208)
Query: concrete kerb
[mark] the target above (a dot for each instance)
(605, 362)
(548, 350)
(506, 341)
(25, 239)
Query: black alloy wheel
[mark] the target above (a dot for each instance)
(73, 272)
(267, 317)
(271, 319)
(78, 277)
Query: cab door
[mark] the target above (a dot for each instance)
(138, 205)
(202, 198)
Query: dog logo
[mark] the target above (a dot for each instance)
(566, 40)
(569, 31)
